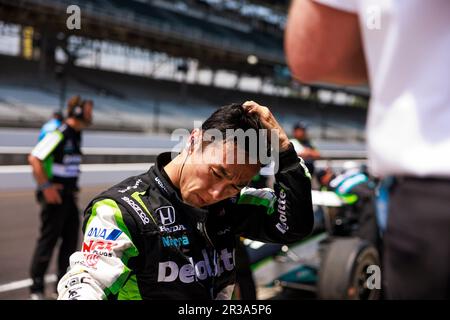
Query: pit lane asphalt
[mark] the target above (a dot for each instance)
(19, 229)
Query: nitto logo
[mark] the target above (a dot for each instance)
(167, 215)
(169, 271)
(169, 241)
(282, 225)
(137, 209)
(104, 233)
(138, 182)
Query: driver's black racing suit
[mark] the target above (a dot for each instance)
(141, 241)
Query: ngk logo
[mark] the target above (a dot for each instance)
(99, 246)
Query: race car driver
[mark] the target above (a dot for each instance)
(170, 233)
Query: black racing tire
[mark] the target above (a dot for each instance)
(343, 271)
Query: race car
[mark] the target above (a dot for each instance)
(335, 262)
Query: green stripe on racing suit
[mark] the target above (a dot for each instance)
(100, 268)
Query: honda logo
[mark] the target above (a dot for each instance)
(167, 215)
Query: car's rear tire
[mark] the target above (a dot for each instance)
(343, 273)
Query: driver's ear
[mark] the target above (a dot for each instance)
(194, 137)
(191, 144)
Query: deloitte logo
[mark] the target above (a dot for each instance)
(282, 225)
(169, 271)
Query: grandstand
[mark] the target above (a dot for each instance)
(150, 66)
(133, 103)
(219, 36)
(161, 26)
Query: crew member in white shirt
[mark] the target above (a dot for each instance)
(401, 48)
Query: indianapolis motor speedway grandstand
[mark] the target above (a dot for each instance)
(150, 67)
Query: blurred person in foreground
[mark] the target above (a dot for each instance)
(55, 163)
(401, 48)
(170, 233)
(304, 147)
(51, 125)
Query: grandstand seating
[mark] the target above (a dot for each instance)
(128, 102)
(256, 41)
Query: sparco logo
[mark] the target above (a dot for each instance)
(282, 225)
(138, 210)
(138, 182)
(167, 215)
(169, 271)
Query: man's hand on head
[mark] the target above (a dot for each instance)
(268, 121)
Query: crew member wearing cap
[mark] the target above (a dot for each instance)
(303, 146)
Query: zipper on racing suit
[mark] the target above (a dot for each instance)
(202, 227)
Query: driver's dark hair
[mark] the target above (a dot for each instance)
(234, 116)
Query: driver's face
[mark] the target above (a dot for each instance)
(207, 178)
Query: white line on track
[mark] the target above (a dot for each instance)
(20, 284)
(96, 150)
(144, 166)
(84, 167)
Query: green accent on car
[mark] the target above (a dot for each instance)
(301, 274)
(311, 238)
(349, 198)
